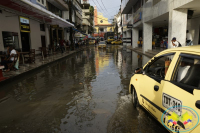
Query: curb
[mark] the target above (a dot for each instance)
(31, 71)
(150, 56)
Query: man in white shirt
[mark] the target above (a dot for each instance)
(13, 52)
(10, 60)
(189, 38)
(174, 42)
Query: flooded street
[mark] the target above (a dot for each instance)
(84, 93)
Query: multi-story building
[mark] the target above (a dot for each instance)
(30, 24)
(88, 17)
(157, 20)
(118, 20)
(101, 24)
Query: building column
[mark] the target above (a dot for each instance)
(124, 40)
(147, 37)
(47, 34)
(128, 40)
(177, 26)
(135, 37)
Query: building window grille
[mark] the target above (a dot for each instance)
(42, 2)
(42, 27)
(54, 9)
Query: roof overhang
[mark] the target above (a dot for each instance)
(128, 6)
(60, 4)
(30, 10)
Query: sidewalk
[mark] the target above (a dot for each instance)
(149, 53)
(39, 63)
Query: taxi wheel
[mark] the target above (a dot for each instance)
(135, 99)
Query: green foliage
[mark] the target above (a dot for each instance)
(91, 9)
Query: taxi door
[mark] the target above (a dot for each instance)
(183, 91)
(151, 84)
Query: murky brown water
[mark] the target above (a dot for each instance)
(84, 93)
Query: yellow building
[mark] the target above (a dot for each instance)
(101, 23)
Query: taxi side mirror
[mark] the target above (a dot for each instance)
(139, 71)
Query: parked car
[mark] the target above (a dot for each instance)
(91, 42)
(168, 87)
(102, 44)
(109, 39)
(118, 42)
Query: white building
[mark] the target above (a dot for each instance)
(163, 18)
(118, 19)
(28, 24)
(87, 17)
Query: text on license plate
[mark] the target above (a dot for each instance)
(169, 101)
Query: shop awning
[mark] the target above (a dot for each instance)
(28, 9)
(79, 31)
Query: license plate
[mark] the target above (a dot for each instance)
(171, 102)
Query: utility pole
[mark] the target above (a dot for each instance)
(70, 19)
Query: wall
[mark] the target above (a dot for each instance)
(10, 24)
(35, 35)
(65, 14)
(151, 11)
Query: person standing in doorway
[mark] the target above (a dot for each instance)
(140, 45)
(188, 38)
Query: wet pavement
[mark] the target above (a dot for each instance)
(83, 93)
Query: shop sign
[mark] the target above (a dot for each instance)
(78, 35)
(129, 26)
(137, 17)
(24, 24)
(54, 26)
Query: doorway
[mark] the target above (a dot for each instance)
(43, 41)
(25, 38)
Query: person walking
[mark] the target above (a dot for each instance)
(61, 45)
(175, 43)
(188, 38)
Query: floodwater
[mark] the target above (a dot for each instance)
(83, 93)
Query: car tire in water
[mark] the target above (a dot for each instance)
(135, 99)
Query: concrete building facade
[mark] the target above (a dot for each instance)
(26, 24)
(161, 20)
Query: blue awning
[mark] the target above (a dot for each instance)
(79, 31)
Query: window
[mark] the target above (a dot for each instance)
(42, 27)
(55, 10)
(157, 68)
(10, 39)
(42, 2)
(187, 72)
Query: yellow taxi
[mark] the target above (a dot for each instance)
(110, 39)
(102, 44)
(118, 42)
(168, 87)
(91, 42)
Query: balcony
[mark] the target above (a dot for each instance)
(126, 6)
(60, 4)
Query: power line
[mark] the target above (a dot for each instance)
(99, 5)
(104, 5)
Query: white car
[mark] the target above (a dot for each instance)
(102, 44)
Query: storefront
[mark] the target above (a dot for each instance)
(25, 33)
(26, 25)
(160, 37)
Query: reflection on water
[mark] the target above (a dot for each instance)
(86, 92)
